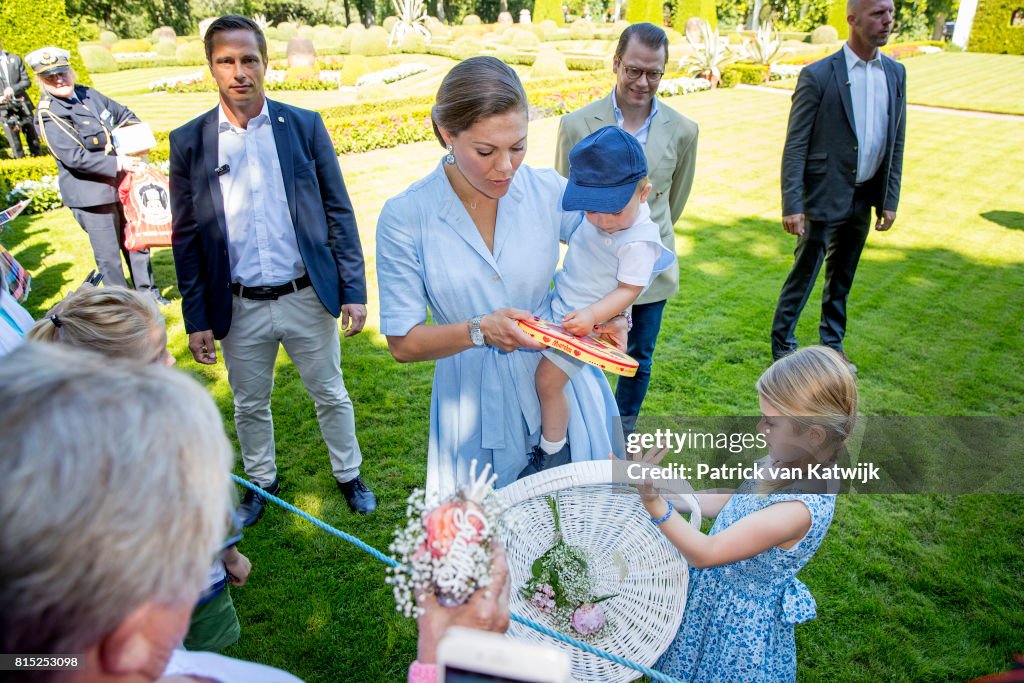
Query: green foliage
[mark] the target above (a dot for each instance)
(130, 45)
(413, 42)
(684, 10)
(549, 64)
(520, 38)
(824, 35)
(748, 74)
(372, 42)
(354, 67)
(286, 30)
(992, 32)
(166, 48)
(471, 20)
(13, 171)
(547, 10)
(645, 10)
(837, 18)
(98, 59)
(588, 63)
(467, 47)
(730, 78)
(389, 23)
(581, 29)
(191, 54)
(301, 73)
(545, 30)
(26, 25)
(108, 37)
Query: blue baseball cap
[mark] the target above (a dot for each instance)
(604, 168)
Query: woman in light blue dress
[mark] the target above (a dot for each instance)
(744, 598)
(476, 243)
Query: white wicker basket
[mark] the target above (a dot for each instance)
(630, 557)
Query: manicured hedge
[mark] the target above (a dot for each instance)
(748, 74)
(991, 31)
(684, 10)
(26, 25)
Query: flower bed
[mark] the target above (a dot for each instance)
(393, 74)
(682, 86)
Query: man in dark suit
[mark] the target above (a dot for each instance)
(267, 254)
(843, 157)
(15, 106)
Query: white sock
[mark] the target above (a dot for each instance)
(551, 447)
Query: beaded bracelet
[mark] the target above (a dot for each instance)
(671, 509)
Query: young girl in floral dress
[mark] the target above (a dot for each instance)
(744, 597)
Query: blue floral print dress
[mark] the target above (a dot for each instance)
(739, 617)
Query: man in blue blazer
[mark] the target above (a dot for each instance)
(843, 157)
(267, 253)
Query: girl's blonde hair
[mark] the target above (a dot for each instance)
(113, 321)
(815, 388)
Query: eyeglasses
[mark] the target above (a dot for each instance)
(633, 73)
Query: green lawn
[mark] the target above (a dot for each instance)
(962, 80)
(920, 588)
(967, 80)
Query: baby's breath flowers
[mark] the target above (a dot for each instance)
(562, 590)
(445, 548)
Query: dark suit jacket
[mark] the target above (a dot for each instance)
(78, 135)
(325, 225)
(819, 164)
(14, 75)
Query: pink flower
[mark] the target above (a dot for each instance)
(588, 618)
(443, 524)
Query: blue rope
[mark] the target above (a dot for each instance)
(390, 561)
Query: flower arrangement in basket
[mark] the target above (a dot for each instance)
(446, 548)
(562, 589)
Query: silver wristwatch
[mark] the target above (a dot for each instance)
(475, 334)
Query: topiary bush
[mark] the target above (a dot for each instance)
(549, 64)
(467, 47)
(837, 18)
(520, 38)
(471, 20)
(684, 10)
(191, 54)
(413, 42)
(166, 48)
(301, 73)
(548, 9)
(98, 59)
(581, 29)
(372, 42)
(354, 67)
(389, 23)
(286, 30)
(824, 35)
(991, 31)
(749, 74)
(108, 38)
(131, 45)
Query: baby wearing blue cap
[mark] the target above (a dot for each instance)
(613, 255)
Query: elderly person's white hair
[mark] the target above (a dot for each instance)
(107, 509)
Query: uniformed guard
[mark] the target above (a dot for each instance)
(76, 122)
(15, 106)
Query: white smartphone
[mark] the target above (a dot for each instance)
(469, 656)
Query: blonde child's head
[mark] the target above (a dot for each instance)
(113, 321)
(809, 403)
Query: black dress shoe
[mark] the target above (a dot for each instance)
(251, 508)
(540, 461)
(359, 496)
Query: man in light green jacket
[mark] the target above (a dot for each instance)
(670, 144)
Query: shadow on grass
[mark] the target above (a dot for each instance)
(1014, 220)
